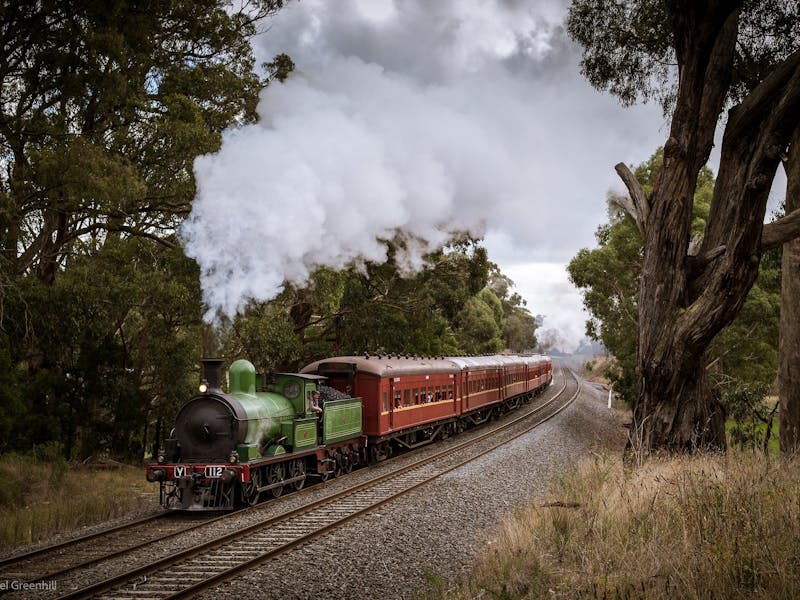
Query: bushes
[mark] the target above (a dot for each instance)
(42, 495)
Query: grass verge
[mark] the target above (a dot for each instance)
(41, 498)
(714, 526)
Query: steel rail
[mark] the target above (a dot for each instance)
(303, 539)
(10, 560)
(144, 571)
(57, 549)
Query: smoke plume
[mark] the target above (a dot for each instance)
(409, 118)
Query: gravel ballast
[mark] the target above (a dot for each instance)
(439, 530)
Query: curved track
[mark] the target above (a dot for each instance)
(188, 572)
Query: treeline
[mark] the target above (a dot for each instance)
(105, 106)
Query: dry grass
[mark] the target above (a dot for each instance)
(40, 498)
(705, 527)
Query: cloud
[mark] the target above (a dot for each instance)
(416, 117)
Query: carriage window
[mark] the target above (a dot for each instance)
(406, 397)
(385, 406)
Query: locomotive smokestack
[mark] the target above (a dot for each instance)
(212, 372)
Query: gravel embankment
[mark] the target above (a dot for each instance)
(440, 529)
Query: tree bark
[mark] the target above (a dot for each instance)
(789, 350)
(674, 408)
(686, 299)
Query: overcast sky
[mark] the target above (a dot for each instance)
(428, 117)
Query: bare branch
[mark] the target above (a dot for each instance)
(639, 208)
(781, 231)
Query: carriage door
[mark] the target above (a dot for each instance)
(392, 381)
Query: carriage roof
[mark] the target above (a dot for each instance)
(393, 365)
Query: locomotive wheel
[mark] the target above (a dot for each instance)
(347, 462)
(276, 474)
(380, 452)
(325, 475)
(337, 469)
(296, 469)
(250, 492)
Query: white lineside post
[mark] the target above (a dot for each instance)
(609, 397)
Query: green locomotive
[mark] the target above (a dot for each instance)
(231, 448)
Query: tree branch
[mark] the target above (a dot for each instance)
(762, 100)
(781, 231)
(637, 205)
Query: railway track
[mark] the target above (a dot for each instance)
(187, 572)
(53, 561)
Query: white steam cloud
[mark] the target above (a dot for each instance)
(404, 117)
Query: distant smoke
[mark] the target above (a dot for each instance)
(408, 118)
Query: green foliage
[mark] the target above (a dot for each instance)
(279, 67)
(458, 303)
(264, 335)
(628, 45)
(518, 324)
(105, 107)
(383, 311)
(609, 278)
(480, 331)
(520, 331)
(751, 418)
(627, 50)
(119, 348)
(12, 408)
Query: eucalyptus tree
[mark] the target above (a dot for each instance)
(519, 325)
(743, 353)
(385, 309)
(699, 58)
(104, 106)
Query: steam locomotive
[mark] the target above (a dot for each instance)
(234, 448)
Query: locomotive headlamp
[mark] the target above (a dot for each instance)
(162, 456)
(234, 457)
(203, 387)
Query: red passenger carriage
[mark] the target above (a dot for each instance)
(411, 401)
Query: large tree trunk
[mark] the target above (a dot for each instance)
(674, 408)
(687, 296)
(687, 419)
(789, 368)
